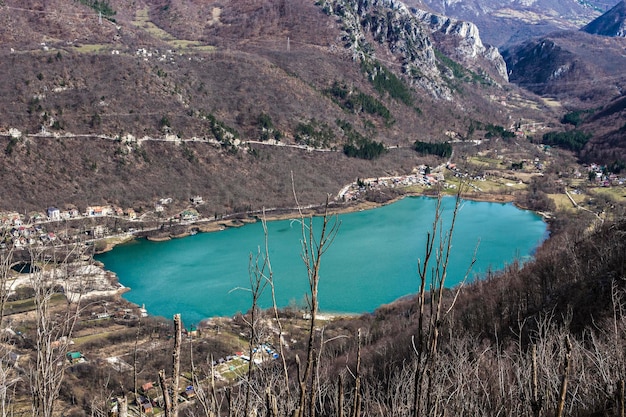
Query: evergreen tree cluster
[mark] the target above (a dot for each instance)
(315, 134)
(357, 101)
(357, 145)
(220, 130)
(440, 149)
(573, 140)
(267, 129)
(490, 129)
(100, 6)
(364, 148)
(459, 72)
(575, 117)
(497, 131)
(385, 81)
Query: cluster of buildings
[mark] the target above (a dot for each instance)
(15, 231)
(9, 219)
(22, 236)
(420, 176)
(150, 395)
(22, 230)
(147, 54)
(599, 175)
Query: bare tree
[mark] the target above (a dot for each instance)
(257, 266)
(567, 361)
(54, 330)
(269, 276)
(432, 272)
(313, 248)
(170, 393)
(8, 377)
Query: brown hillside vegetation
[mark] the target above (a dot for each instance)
(79, 171)
(141, 73)
(609, 142)
(500, 345)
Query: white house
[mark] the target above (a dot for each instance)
(54, 213)
(196, 199)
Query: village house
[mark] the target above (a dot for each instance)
(98, 211)
(189, 392)
(196, 199)
(10, 219)
(53, 213)
(98, 231)
(37, 217)
(165, 201)
(189, 215)
(146, 405)
(75, 357)
(93, 211)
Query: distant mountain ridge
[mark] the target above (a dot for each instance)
(504, 23)
(575, 67)
(611, 23)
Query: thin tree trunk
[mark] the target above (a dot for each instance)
(313, 250)
(536, 403)
(620, 397)
(167, 404)
(356, 404)
(564, 377)
(270, 403)
(176, 365)
(122, 407)
(340, 396)
(213, 392)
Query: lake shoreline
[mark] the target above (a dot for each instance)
(335, 210)
(210, 226)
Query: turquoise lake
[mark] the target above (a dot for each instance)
(372, 261)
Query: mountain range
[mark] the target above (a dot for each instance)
(505, 23)
(124, 102)
(612, 23)
(583, 70)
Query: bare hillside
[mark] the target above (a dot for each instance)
(106, 81)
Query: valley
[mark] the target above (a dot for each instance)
(143, 119)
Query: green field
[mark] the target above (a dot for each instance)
(233, 369)
(563, 203)
(21, 306)
(484, 162)
(92, 48)
(614, 193)
(142, 20)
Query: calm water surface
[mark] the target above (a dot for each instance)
(372, 261)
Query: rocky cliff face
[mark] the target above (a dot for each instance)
(413, 37)
(467, 46)
(379, 27)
